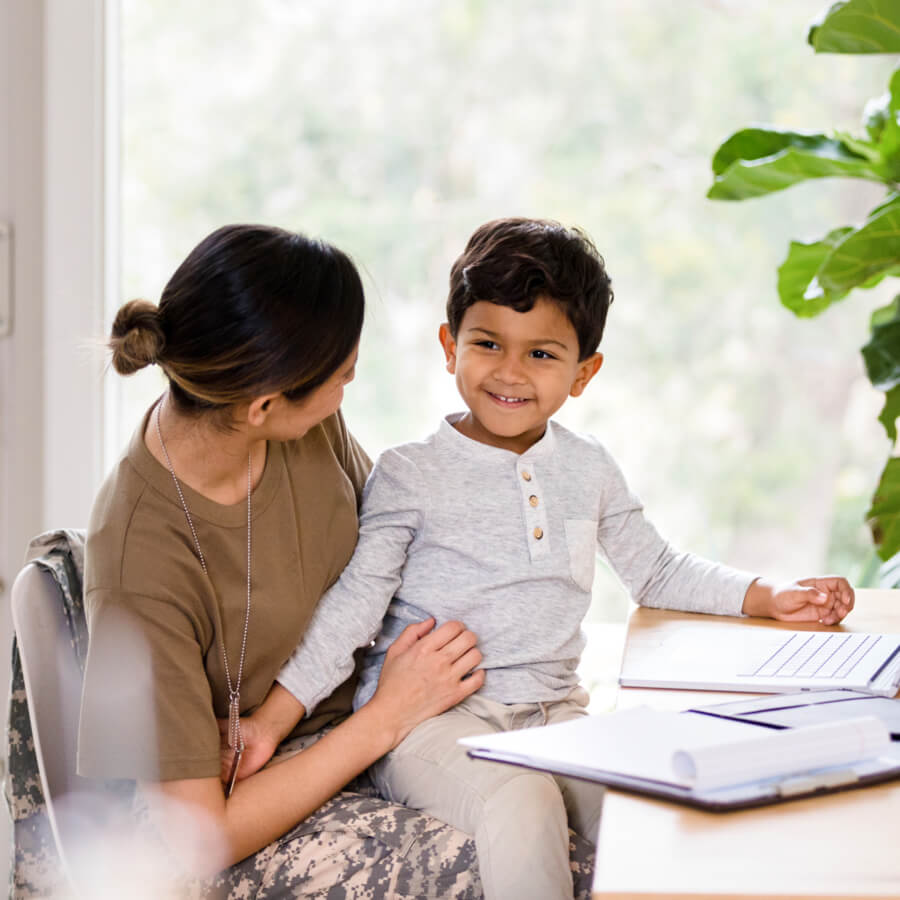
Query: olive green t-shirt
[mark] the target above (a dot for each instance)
(154, 678)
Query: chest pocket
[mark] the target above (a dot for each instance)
(581, 540)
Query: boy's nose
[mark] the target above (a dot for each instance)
(509, 371)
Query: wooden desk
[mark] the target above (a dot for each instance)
(843, 846)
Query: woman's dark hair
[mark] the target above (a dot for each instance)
(252, 310)
(514, 262)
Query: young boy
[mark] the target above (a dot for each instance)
(496, 520)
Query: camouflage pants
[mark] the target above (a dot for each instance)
(389, 852)
(359, 846)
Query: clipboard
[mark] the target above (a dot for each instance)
(808, 708)
(633, 750)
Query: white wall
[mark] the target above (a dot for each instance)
(21, 368)
(52, 191)
(75, 151)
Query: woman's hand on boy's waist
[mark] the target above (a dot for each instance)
(426, 671)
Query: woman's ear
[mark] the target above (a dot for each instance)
(261, 408)
(585, 372)
(448, 342)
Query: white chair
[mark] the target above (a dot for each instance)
(77, 808)
(103, 852)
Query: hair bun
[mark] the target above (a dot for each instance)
(137, 338)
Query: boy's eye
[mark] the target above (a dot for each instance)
(542, 354)
(488, 345)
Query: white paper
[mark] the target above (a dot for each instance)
(712, 752)
(781, 753)
(637, 742)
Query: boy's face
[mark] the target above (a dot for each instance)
(514, 370)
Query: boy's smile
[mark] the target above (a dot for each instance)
(514, 370)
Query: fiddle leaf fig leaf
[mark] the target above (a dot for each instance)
(888, 574)
(857, 26)
(875, 115)
(882, 353)
(798, 288)
(866, 254)
(884, 514)
(880, 119)
(867, 149)
(890, 412)
(891, 199)
(758, 161)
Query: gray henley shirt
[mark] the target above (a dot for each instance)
(505, 543)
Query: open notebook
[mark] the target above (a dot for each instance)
(718, 656)
(716, 762)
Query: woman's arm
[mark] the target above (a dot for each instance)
(424, 674)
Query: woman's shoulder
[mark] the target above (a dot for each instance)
(334, 432)
(122, 491)
(129, 542)
(114, 507)
(330, 441)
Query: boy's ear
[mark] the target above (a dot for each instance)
(448, 342)
(260, 408)
(585, 372)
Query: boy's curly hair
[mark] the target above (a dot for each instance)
(514, 262)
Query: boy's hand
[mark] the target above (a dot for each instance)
(826, 599)
(262, 732)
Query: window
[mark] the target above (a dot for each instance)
(394, 129)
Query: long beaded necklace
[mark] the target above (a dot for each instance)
(235, 738)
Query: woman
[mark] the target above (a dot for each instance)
(231, 512)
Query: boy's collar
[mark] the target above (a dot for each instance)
(542, 448)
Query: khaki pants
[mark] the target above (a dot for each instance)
(519, 818)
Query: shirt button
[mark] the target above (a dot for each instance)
(533, 500)
(538, 533)
(526, 476)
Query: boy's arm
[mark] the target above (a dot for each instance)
(658, 576)
(349, 614)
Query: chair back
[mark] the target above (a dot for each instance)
(53, 680)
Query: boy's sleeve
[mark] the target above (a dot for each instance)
(653, 572)
(349, 614)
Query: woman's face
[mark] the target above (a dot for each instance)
(290, 419)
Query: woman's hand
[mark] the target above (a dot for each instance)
(259, 746)
(826, 599)
(262, 732)
(425, 672)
